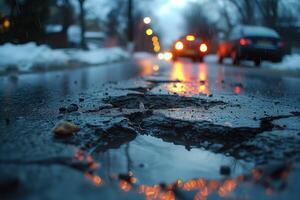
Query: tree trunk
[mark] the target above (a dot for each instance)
(82, 24)
(269, 10)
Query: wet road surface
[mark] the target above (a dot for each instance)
(151, 129)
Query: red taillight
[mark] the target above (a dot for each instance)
(203, 48)
(244, 41)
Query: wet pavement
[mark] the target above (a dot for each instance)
(151, 130)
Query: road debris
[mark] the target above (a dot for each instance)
(63, 129)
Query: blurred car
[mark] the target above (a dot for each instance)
(189, 46)
(252, 43)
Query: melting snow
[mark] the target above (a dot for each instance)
(28, 57)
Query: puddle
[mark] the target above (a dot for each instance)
(153, 161)
(148, 168)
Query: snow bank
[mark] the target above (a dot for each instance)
(290, 62)
(31, 57)
(24, 57)
(98, 56)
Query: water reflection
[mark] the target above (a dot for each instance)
(205, 187)
(147, 67)
(191, 79)
(237, 89)
(202, 188)
(89, 166)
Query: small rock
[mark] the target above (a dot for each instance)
(63, 129)
(225, 170)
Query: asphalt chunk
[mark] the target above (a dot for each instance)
(132, 101)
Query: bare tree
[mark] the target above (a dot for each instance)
(198, 23)
(265, 12)
(246, 10)
(274, 12)
(82, 24)
(67, 15)
(116, 25)
(269, 10)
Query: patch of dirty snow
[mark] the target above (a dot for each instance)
(32, 57)
(290, 62)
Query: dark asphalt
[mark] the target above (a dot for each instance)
(36, 165)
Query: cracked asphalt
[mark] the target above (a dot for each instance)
(151, 129)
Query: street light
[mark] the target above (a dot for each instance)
(147, 20)
(149, 31)
(154, 39)
(6, 23)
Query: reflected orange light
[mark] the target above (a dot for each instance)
(189, 83)
(146, 67)
(199, 196)
(97, 180)
(156, 193)
(227, 187)
(125, 186)
(204, 192)
(222, 192)
(203, 188)
(203, 77)
(230, 185)
(179, 183)
(202, 88)
(237, 90)
(177, 72)
(213, 185)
